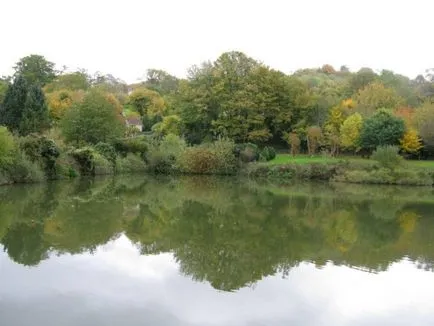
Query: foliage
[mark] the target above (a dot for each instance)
(388, 156)
(268, 153)
(136, 145)
(23, 170)
(131, 163)
(14, 104)
(108, 151)
(350, 131)
(93, 120)
(293, 141)
(41, 150)
(170, 124)
(59, 102)
(215, 158)
(35, 117)
(424, 117)
(35, 69)
(7, 147)
(247, 152)
(381, 129)
(147, 102)
(314, 136)
(74, 81)
(411, 142)
(375, 96)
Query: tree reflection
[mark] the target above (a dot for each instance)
(220, 230)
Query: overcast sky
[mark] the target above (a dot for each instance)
(126, 37)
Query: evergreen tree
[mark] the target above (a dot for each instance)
(35, 117)
(14, 104)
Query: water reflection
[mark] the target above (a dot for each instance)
(227, 233)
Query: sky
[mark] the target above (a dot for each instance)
(127, 37)
(116, 285)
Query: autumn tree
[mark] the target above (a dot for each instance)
(35, 69)
(411, 142)
(93, 120)
(293, 141)
(375, 96)
(59, 102)
(313, 136)
(350, 131)
(381, 129)
(424, 117)
(361, 79)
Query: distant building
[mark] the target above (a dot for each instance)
(134, 122)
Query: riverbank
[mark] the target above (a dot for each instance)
(286, 169)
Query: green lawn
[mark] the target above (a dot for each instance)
(305, 159)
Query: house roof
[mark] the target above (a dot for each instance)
(134, 121)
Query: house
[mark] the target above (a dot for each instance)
(134, 122)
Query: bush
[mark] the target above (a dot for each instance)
(247, 152)
(67, 167)
(268, 153)
(102, 166)
(214, 158)
(39, 149)
(137, 145)
(108, 151)
(130, 164)
(84, 158)
(387, 157)
(163, 155)
(7, 146)
(23, 170)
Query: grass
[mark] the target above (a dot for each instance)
(306, 159)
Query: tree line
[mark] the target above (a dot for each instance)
(235, 97)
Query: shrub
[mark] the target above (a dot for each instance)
(108, 151)
(137, 145)
(102, 166)
(247, 152)
(214, 158)
(67, 167)
(7, 146)
(268, 153)
(23, 170)
(387, 157)
(41, 150)
(130, 164)
(198, 160)
(84, 158)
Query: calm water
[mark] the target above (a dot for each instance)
(211, 252)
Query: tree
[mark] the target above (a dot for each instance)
(71, 81)
(313, 135)
(147, 102)
(35, 117)
(350, 131)
(362, 78)
(59, 102)
(7, 146)
(424, 117)
(14, 104)
(375, 96)
(35, 69)
(3, 89)
(411, 142)
(161, 82)
(381, 129)
(93, 120)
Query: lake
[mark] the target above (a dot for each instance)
(202, 251)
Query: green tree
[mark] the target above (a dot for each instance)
(35, 69)
(425, 124)
(71, 81)
(3, 89)
(94, 120)
(35, 117)
(14, 104)
(7, 146)
(350, 131)
(161, 82)
(361, 79)
(375, 96)
(381, 129)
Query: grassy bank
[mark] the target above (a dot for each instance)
(286, 168)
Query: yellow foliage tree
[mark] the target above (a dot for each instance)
(61, 101)
(411, 141)
(350, 131)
